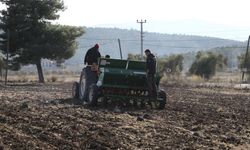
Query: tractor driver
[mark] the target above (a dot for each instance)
(91, 60)
(150, 70)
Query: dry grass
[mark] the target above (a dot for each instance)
(227, 77)
(47, 78)
(66, 76)
(221, 77)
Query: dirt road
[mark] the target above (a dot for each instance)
(34, 116)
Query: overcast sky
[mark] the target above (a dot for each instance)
(219, 18)
(228, 19)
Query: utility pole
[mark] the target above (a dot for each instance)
(245, 61)
(7, 56)
(141, 22)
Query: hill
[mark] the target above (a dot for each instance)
(160, 44)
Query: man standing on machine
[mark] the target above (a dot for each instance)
(150, 70)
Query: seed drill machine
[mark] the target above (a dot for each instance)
(122, 81)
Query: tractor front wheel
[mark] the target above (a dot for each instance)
(93, 95)
(82, 84)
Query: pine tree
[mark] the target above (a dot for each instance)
(31, 34)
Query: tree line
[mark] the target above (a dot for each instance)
(205, 65)
(28, 34)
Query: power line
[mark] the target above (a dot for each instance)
(194, 46)
(111, 41)
(161, 40)
(218, 31)
(107, 39)
(88, 46)
(160, 45)
(187, 40)
(191, 33)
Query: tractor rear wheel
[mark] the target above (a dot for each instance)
(82, 85)
(75, 90)
(161, 101)
(93, 95)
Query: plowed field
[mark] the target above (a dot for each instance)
(36, 116)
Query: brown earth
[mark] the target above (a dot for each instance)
(35, 116)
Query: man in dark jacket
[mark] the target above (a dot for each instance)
(150, 70)
(91, 60)
(92, 55)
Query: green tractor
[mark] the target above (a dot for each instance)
(120, 80)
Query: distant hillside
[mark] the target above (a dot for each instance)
(160, 44)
